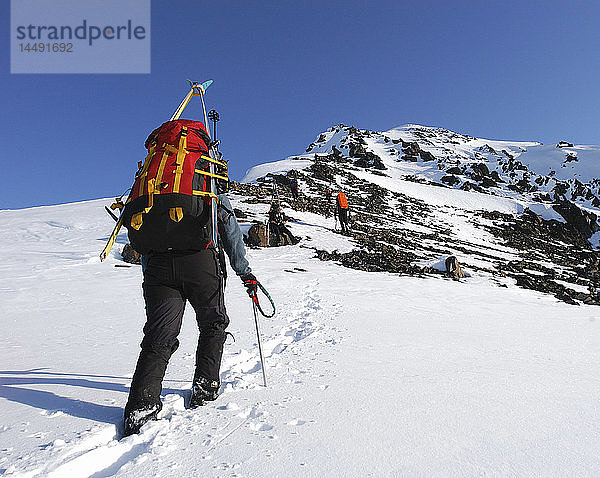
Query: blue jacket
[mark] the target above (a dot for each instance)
(231, 237)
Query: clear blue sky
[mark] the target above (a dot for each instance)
(285, 71)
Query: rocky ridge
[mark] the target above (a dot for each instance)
(400, 233)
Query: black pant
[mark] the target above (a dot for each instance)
(170, 279)
(281, 232)
(343, 215)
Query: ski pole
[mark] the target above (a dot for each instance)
(214, 116)
(262, 359)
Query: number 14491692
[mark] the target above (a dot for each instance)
(46, 47)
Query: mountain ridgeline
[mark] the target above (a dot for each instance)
(515, 213)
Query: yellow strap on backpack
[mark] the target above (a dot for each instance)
(136, 219)
(219, 163)
(205, 193)
(206, 173)
(181, 153)
(144, 169)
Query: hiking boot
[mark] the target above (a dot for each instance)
(204, 390)
(136, 419)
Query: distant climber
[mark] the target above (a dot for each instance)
(341, 209)
(328, 202)
(277, 226)
(294, 188)
(453, 268)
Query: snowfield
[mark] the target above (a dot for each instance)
(370, 374)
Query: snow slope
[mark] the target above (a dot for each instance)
(370, 374)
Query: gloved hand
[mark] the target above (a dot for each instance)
(251, 284)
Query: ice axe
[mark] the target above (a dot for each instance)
(256, 307)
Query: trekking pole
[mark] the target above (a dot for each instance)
(256, 306)
(262, 359)
(214, 116)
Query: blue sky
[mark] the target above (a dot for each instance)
(285, 71)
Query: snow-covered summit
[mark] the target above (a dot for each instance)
(538, 172)
(446, 174)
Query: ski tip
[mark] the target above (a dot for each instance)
(201, 86)
(206, 84)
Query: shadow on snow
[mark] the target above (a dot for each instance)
(14, 386)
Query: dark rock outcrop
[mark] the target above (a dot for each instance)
(583, 222)
(450, 179)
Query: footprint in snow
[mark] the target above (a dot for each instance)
(245, 413)
(296, 422)
(51, 413)
(260, 427)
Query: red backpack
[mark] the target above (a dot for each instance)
(342, 200)
(169, 204)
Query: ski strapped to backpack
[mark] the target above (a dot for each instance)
(173, 202)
